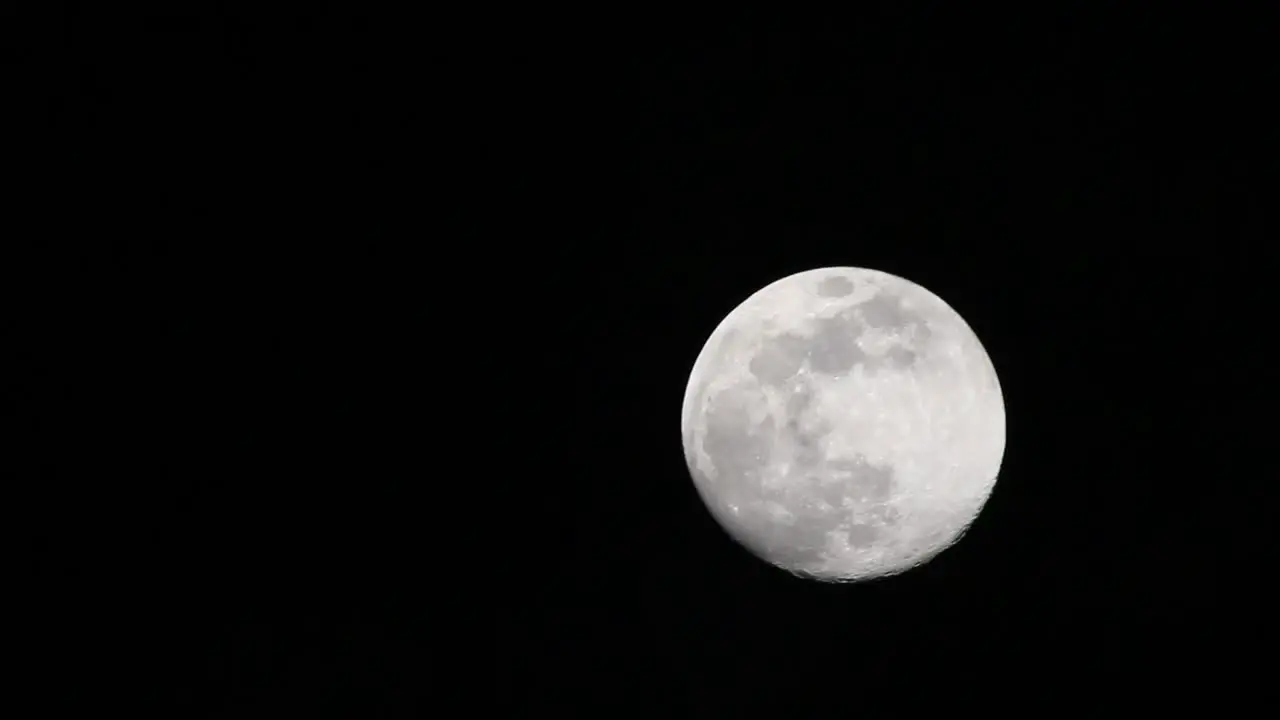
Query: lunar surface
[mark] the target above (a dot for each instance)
(844, 424)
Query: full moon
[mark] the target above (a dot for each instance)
(844, 424)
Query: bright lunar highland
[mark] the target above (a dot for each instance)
(843, 424)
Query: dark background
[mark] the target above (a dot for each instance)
(354, 348)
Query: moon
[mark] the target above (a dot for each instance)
(844, 424)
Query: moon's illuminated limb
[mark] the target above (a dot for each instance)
(844, 423)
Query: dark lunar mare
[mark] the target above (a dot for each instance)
(835, 287)
(779, 359)
(735, 448)
(884, 311)
(834, 349)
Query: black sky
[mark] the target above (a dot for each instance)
(357, 364)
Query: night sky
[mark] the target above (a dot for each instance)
(357, 347)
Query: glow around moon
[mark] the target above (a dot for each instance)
(844, 423)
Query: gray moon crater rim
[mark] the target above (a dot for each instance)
(843, 424)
